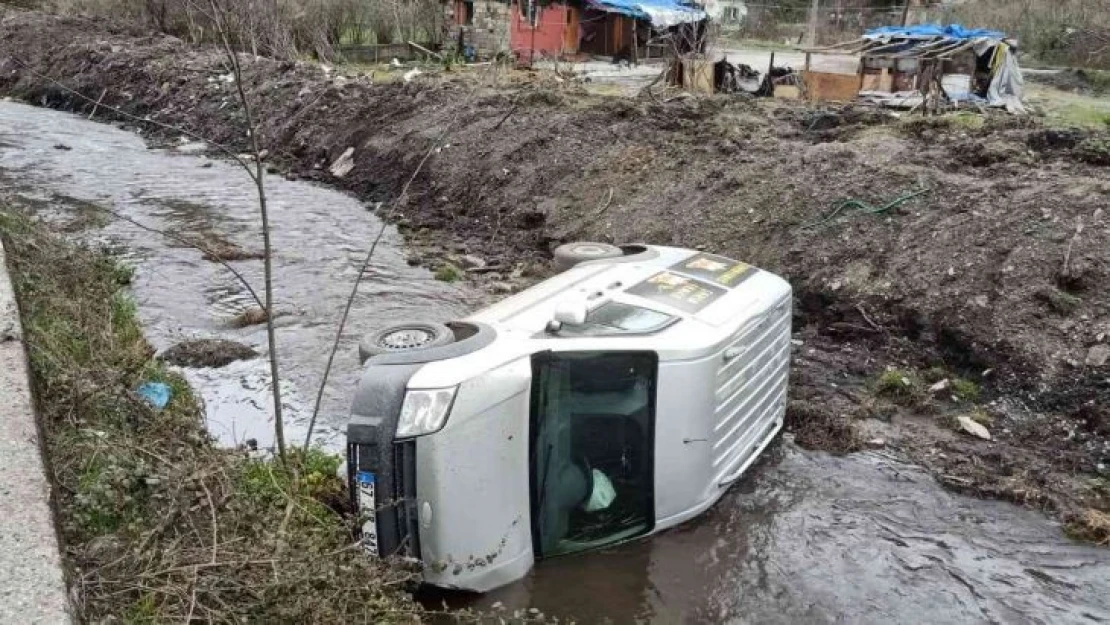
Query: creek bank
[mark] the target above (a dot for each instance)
(954, 278)
(157, 523)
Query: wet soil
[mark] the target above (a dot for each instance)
(997, 274)
(207, 353)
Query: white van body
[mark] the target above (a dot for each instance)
(628, 420)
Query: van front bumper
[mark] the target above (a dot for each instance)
(391, 467)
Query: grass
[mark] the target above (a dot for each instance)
(1061, 302)
(982, 417)
(448, 273)
(911, 388)
(157, 523)
(965, 390)
(1069, 110)
(903, 387)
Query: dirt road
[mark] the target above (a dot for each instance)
(988, 285)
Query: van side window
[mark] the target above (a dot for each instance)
(592, 443)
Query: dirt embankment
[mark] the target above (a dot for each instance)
(994, 280)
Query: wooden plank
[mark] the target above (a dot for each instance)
(822, 86)
(570, 33)
(787, 92)
(949, 54)
(886, 80)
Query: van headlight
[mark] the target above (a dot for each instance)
(424, 412)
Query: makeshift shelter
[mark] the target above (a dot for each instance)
(924, 66)
(626, 29)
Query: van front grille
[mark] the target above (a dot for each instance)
(404, 499)
(751, 385)
(397, 513)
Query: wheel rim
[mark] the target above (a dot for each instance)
(406, 338)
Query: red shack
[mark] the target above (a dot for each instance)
(539, 29)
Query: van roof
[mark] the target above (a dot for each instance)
(685, 284)
(710, 297)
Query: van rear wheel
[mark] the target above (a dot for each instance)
(405, 337)
(571, 254)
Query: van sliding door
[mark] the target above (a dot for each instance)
(592, 441)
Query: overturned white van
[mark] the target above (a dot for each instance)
(614, 400)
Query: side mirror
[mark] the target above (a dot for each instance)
(571, 313)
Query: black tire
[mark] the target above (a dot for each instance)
(404, 337)
(571, 254)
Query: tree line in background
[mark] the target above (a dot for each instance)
(1064, 32)
(1067, 32)
(285, 29)
(1072, 32)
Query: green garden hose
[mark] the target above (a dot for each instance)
(866, 208)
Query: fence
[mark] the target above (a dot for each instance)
(788, 22)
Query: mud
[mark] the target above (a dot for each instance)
(207, 353)
(954, 278)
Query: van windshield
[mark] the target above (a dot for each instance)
(619, 318)
(592, 432)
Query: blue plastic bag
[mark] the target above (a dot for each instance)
(156, 394)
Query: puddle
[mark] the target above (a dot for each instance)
(320, 237)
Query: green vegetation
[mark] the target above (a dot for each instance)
(902, 387)
(982, 417)
(158, 524)
(1060, 32)
(1078, 114)
(965, 390)
(910, 388)
(1060, 301)
(935, 374)
(1069, 110)
(448, 273)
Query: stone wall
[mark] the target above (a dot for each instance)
(488, 32)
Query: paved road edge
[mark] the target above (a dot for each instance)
(32, 582)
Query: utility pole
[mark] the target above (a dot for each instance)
(811, 33)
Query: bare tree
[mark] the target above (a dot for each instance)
(219, 15)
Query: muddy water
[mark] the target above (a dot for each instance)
(320, 237)
(812, 538)
(804, 538)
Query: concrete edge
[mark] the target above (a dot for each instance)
(32, 580)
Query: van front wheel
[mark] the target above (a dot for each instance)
(571, 254)
(405, 337)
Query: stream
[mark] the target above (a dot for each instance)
(804, 538)
(320, 237)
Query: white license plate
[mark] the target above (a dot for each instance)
(368, 510)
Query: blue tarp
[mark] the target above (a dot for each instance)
(951, 31)
(661, 13)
